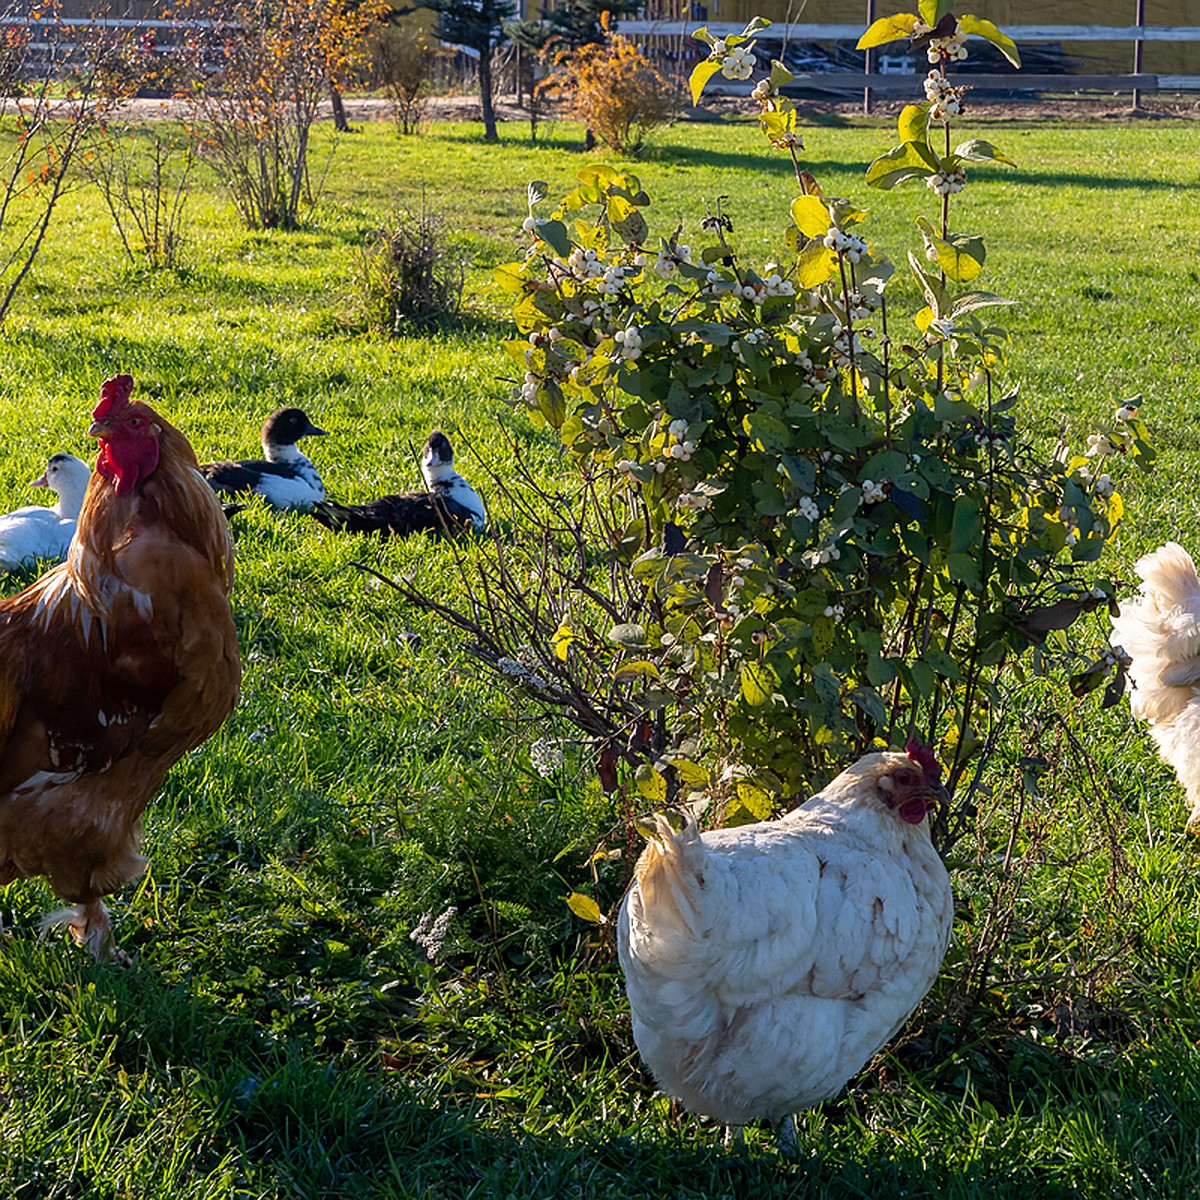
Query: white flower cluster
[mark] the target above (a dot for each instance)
(861, 306)
(845, 243)
(678, 446)
(1125, 413)
(626, 466)
(946, 183)
(945, 100)
(952, 48)
(546, 756)
(836, 611)
(823, 555)
(751, 338)
(763, 90)
(429, 934)
(789, 139)
(532, 224)
(529, 387)
(630, 341)
(845, 347)
(667, 263)
(585, 264)
(806, 506)
(985, 440)
(1100, 444)
(738, 63)
(874, 491)
(773, 285)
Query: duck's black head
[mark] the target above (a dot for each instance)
(286, 426)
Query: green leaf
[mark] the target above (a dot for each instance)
(702, 35)
(636, 670)
(872, 703)
(971, 301)
(932, 11)
(909, 160)
(554, 234)
(966, 527)
(766, 431)
(757, 25)
(691, 773)
(779, 76)
(960, 256)
(887, 29)
(758, 683)
(941, 662)
(585, 908)
(981, 27)
(936, 295)
(977, 150)
(702, 72)
(650, 783)
(551, 404)
(913, 125)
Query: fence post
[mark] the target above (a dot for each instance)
(1139, 20)
(869, 64)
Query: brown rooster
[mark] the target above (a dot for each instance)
(113, 665)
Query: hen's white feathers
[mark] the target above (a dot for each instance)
(1160, 631)
(766, 964)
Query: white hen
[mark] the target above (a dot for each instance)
(1160, 631)
(766, 964)
(34, 532)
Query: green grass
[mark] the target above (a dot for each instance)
(282, 1035)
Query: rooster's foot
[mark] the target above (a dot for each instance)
(91, 928)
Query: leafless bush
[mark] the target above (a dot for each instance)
(405, 65)
(69, 79)
(255, 84)
(142, 175)
(410, 275)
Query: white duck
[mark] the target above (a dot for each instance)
(35, 532)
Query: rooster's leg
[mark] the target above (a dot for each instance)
(735, 1137)
(91, 928)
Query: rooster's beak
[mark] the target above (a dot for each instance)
(98, 429)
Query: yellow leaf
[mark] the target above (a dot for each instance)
(561, 640)
(811, 215)
(585, 908)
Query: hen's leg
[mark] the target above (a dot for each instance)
(90, 927)
(785, 1138)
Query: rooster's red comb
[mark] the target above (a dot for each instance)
(114, 395)
(923, 756)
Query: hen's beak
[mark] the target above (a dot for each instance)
(98, 429)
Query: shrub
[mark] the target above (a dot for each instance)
(611, 88)
(803, 527)
(143, 179)
(254, 84)
(404, 63)
(409, 276)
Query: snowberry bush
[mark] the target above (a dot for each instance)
(809, 524)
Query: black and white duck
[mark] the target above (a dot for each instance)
(286, 478)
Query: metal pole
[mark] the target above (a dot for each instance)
(1140, 21)
(869, 65)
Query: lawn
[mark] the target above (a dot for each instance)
(281, 1033)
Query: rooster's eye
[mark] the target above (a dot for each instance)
(905, 778)
(134, 422)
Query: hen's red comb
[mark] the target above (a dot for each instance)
(114, 395)
(923, 756)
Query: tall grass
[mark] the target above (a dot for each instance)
(282, 1034)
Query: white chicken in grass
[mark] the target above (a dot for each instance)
(1160, 632)
(767, 963)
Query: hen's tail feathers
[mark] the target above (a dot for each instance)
(1160, 631)
(670, 873)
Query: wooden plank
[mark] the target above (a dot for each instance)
(838, 33)
(901, 86)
